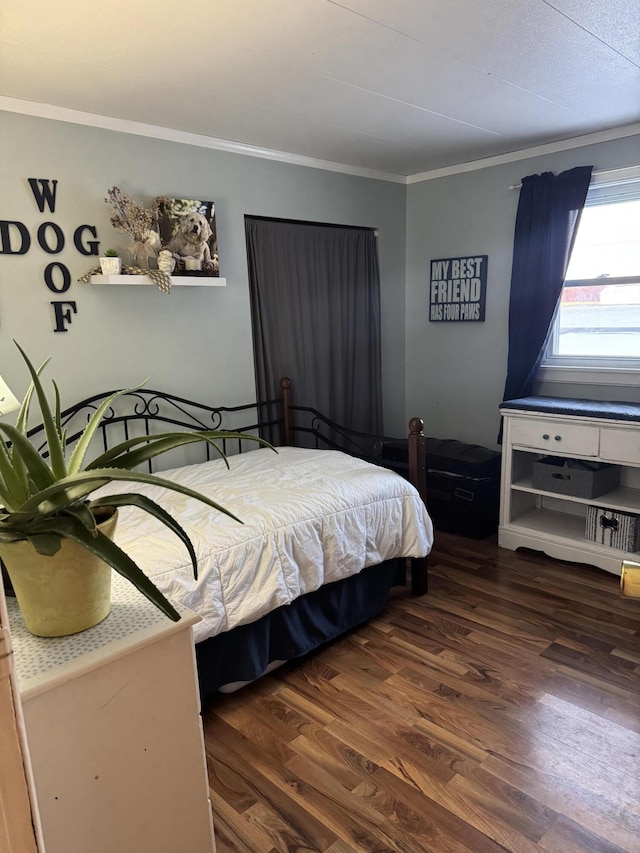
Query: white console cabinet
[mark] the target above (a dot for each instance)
(114, 732)
(554, 523)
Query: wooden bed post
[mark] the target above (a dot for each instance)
(286, 397)
(418, 457)
(418, 476)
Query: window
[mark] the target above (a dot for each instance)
(597, 324)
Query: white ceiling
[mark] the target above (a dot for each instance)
(396, 86)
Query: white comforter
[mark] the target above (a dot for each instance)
(310, 517)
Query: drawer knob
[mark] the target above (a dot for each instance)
(546, 436)
(558, 438)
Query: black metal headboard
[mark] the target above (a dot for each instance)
(311, 427)
(146, 411)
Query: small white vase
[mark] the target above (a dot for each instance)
(111, 266)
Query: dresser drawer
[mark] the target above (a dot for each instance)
(555, 436)
(620, 445)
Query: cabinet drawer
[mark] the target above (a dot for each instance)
(555, 436)
(620, 445)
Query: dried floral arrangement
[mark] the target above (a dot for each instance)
(128, 216)
(139, 222)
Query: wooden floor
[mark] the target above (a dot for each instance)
(499, 712)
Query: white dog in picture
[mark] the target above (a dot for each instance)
(190, 240)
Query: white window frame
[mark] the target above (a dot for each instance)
(585, 370)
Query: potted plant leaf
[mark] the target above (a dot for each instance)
(111, 262)
(52, 529)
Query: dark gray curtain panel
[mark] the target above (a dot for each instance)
(315, 311)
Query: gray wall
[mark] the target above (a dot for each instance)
(456, 371)
(195, 341)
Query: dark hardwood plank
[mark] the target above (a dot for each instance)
(568, 837)
(570, 789)
(277, 790)
(500, 712)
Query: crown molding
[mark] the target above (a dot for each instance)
(527, 153)
(55, 113)
(49, 111)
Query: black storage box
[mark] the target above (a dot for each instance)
(463, 484)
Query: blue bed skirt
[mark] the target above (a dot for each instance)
(245, 652)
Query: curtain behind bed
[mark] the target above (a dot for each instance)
(315, 310)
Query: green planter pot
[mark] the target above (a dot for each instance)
(62, 594)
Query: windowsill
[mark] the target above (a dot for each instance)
(590, 375)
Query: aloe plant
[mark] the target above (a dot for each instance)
(45, 500)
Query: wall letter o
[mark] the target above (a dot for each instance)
(48, 277)
(42, 238)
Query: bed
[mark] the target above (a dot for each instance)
(327, 532)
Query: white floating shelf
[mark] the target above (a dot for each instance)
(176, 280)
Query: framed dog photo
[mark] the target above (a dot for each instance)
(187, 228)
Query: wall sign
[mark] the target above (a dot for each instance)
(458, 289)
(15, 239)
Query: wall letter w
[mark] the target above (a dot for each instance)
(44, 191)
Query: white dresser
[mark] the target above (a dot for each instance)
(574, 429)
(112, 717)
